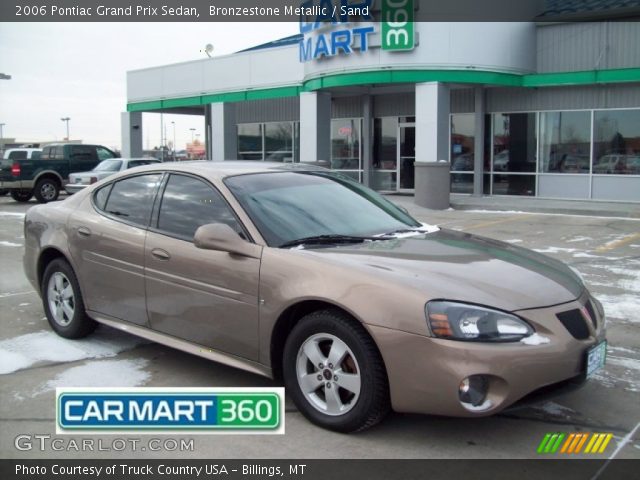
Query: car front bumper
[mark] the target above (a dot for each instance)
(425, 372)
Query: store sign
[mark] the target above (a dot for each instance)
(329, 29)
(326, 29)
(397, 25)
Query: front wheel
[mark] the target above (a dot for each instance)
(334, 373)
(47, 190)
(21, 196)
(63, 302)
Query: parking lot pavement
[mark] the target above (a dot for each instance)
(605, 250)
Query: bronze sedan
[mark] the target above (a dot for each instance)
(299, 273)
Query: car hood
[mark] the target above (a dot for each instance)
(458, 266)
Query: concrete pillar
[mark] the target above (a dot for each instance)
(207, 132)
(315, 126)
(224, 134)
(478, 144)
(432, 122)
(367, 139)
(131, 131)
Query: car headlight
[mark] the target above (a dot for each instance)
(459, 321)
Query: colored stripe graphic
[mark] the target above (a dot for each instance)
(573, 443)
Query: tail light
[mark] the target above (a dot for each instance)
(93, 180)
(15, 169)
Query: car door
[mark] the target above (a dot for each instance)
(204, 296)
(107, 241)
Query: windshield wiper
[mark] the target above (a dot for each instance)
(405, 230)
(320, 239)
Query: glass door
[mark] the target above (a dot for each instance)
(406, 156)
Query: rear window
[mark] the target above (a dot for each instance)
(131, 199)
(36, 155)
(138, 163)
(18, 155)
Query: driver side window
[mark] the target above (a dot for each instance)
(188, 203)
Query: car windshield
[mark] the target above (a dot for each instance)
(108, 166)
(288, 206)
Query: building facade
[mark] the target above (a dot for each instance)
(527, 108)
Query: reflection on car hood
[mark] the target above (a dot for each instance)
(459, 266)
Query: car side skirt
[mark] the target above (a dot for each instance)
(188, 347)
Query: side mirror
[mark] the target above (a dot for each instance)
(221, 237)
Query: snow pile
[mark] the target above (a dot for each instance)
(26, 350)
(105, 373)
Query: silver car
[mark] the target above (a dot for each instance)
(80, 180)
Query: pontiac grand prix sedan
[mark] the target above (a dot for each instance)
(298, 273)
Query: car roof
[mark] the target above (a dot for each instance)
(229, 168)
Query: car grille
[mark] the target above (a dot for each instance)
(575, 323)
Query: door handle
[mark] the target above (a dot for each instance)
(84, 232)
(160, 254)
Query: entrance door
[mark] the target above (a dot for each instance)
(406, 156)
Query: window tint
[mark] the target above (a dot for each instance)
(58, 153)
(138, 163)
(189, 203)
(82, 153)
(103, 153)
(131, 199)
(100, 197)
(18, 155)
(47, 152)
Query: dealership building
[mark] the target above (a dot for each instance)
(541, 108)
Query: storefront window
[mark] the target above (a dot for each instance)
(250, 141)
(616, 149)
(273, 142)
(345, 146)
(278, 142)
(462, 152)
(385, 154)
(514, 153)
(565, 142)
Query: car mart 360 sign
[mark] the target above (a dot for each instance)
(328, 30)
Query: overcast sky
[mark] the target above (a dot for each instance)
(78, 70)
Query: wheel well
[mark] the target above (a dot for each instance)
(46, 257)
(49, 176)
(285, 324)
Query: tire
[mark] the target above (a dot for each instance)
(358, 388)
(64, 308)
(21, 196)
(47, 190)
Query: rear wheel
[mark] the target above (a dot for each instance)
(21, 195)
(63, 302)
(334, 372)
(47, 190)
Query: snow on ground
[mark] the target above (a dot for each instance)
(514, 240)
(555, 250)
(26, 350)
(585, 255)
(579, 239)
(4, 243)
(555, 409)
(102, 373)
(12, 214)
(621, 307)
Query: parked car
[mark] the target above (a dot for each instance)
(19, 153)
(574, 164)
(46, 176)
(299, 273)
(616, 164)
(80, 180)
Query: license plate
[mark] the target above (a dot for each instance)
(596, 357)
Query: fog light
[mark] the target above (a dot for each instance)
(473, 390)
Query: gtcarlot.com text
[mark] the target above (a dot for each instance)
(46, 442)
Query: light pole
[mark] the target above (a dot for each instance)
(66, 120)
(174, 136)
(192, 132)
(1, 138)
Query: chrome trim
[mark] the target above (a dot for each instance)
(193, 348)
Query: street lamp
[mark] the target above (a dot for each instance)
(192, 131)
(66, 120)
(1, 138)
(174, 136)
